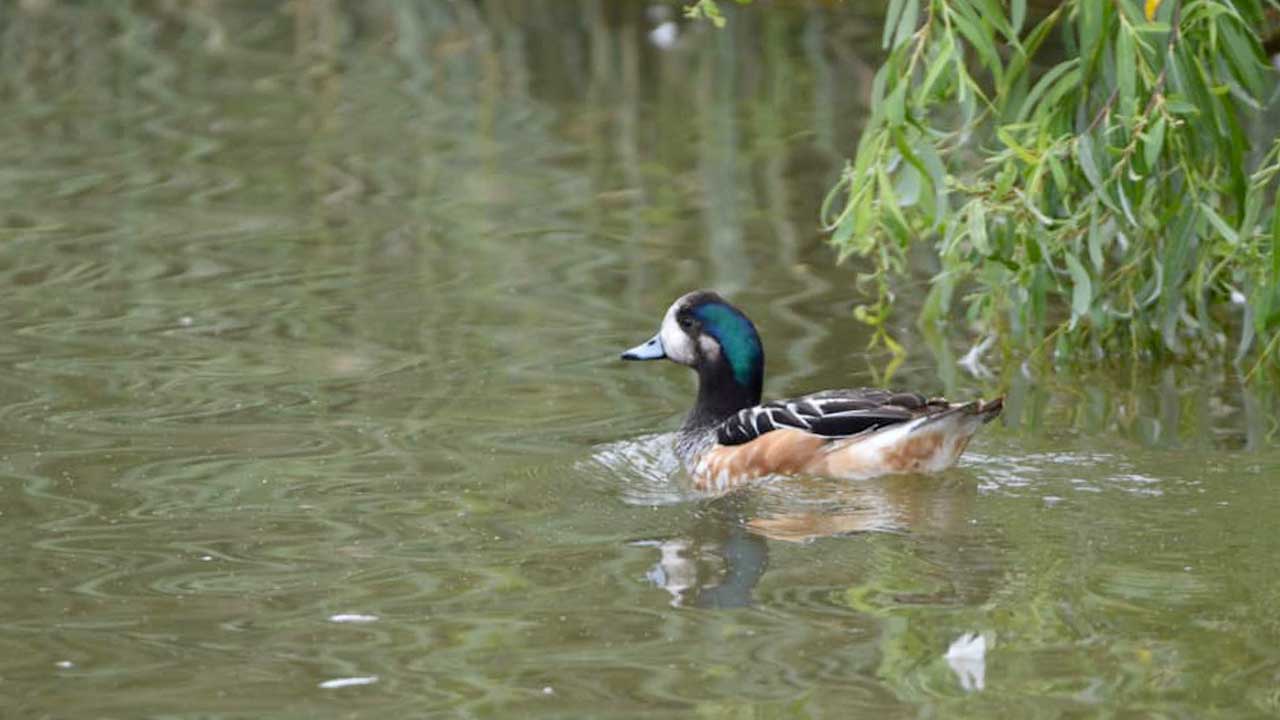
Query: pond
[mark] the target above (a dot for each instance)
(312, 403)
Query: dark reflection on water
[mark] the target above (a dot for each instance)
(309, 399)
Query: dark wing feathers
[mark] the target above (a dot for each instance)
(831, 413)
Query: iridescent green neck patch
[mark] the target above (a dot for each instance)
(738, 340)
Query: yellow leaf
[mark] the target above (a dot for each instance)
(1152, 7)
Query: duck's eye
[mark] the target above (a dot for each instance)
(685, 322)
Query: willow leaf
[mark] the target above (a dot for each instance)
(1153, 143)
(1081, 287)
(1226, 231)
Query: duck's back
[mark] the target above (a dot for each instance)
(830, 414)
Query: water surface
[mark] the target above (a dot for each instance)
(311, 406)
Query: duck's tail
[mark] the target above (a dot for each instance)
(927, 444)
(982, 411)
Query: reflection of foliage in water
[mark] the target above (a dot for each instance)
(314, 116)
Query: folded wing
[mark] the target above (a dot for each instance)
(830, 414)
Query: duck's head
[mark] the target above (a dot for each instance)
(703, 331)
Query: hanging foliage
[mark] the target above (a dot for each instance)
(1087, 179)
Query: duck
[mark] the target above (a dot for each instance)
(730, 438)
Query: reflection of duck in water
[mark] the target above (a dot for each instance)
(806, 510)
(730, 438)
(716, 564)
(723, 555)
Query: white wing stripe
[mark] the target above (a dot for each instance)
(798, 415)
(878, 412)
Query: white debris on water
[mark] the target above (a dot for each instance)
(967, 657)
(353, 618)
(349, 682)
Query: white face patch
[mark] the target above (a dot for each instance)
(675, 342)
(710, 348)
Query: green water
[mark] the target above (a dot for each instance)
(310, 405)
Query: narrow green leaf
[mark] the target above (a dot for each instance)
(864, 219)
(1131, 11)
(1178, 105)
(904, 147)
(1034, 254)
(1228, 233)
(1006, 136)
(844, 231)
(992, 14)
(907, 23)
(1242, 53)
(1096, 239)
(937, 173)
(1084, 155)
(1154, 287)
(1067, 72)
(895, 104)
(1063, 92)
(840, 189)
(938, 64)
(924, 159)
(878, 83)
(1005, 179)
(978, 228)
(1125, 207)
(1153, 143)
(906, 185)
(1059, 174)
(1089, 27)
(1126, 68)
(1036, 294)
(1213, 96)
(1081, 287)
(1017, 13)
(1248, 332)
(892, 16)
(979, 36)
(889, 201)
(1252, 209)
